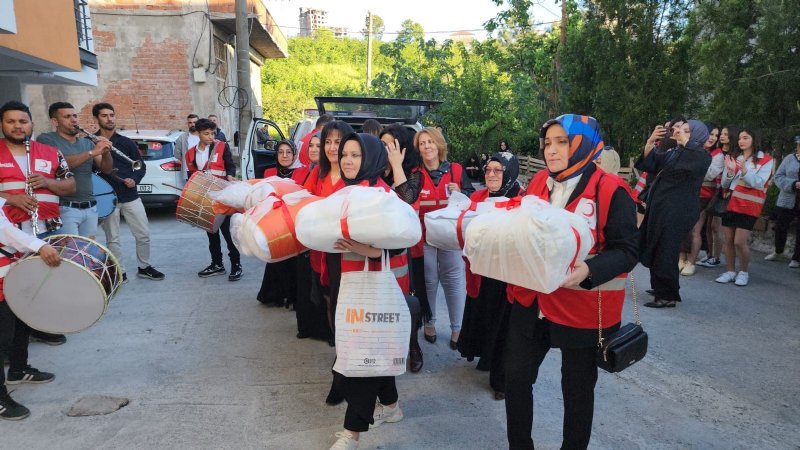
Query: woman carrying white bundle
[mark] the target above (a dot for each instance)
(486, 311)
(371, 401)
(568, 317)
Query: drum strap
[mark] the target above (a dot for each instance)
(7, 254)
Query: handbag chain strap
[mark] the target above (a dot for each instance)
(636, 317)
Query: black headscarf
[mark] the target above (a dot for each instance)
(374, 158)
(510, 165)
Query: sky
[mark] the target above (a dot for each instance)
(433, 15)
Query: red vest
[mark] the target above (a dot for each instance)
(433, 197)
(577, 307)
(709, 188)
(750, 200)
(215, 164)
(322, 188)
(12, 180)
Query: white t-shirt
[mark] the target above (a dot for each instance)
(192, 140)
(201, 157)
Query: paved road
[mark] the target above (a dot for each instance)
(205, 366)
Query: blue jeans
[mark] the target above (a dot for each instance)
(446, 267)
(82, 222)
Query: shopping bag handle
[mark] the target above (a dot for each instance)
(385, 265)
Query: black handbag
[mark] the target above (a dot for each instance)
(626, 346)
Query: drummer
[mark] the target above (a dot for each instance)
(124, 180)
(14, 332)
(50, 178)
(214, 157)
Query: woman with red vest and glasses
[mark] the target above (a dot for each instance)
(404, 175)
(214, 157)
(279, 284)
(486, 310)
(439, 178)
(363, 160)
(568, 317)
(747, 176)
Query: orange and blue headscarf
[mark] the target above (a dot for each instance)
(585, 143)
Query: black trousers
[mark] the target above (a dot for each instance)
(527, 344)
(361, 394)
(664, 273)
(14, 335)
(215, 246)
(783, 220)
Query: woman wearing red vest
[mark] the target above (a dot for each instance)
(439, 178)
(405, 176)
(486, 310)
(323, 180)
(568, 318)
(714, 232)
(707, 191)
(309, 307)
(279, 284)
(363, 160)
(747, 177)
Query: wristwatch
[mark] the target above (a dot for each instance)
(91, 155)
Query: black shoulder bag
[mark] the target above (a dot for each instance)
(628, 344)
(623, 348)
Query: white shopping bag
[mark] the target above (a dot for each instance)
(373, 324)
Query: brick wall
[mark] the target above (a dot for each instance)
(158, 93)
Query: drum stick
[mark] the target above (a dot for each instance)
(173, 187)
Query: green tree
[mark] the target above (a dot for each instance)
(378, 27)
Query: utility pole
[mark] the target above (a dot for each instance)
(369, 49)
(243, 71)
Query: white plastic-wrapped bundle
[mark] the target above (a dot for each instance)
(269, 187)
(267, 230)
(370, 215)
(445, 227)
(232, 196)
(531, 246)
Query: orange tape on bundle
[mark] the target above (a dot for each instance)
(278, 226)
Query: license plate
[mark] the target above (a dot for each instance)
(144, 188)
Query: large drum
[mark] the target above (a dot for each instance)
(68, 298)
(104, 194)
(196, 207)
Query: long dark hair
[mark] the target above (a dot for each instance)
(756, 141)
(337, 126)
(733, 141)
(405, 137)
(711, 127)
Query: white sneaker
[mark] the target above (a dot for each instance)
(702, 255)
(345, 441)
(773, 256)
(688, 269)
(742, 278)
(726, 277)
(386, 414)
(682, 263)
(794, 264)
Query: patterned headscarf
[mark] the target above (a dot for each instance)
(585, 143)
